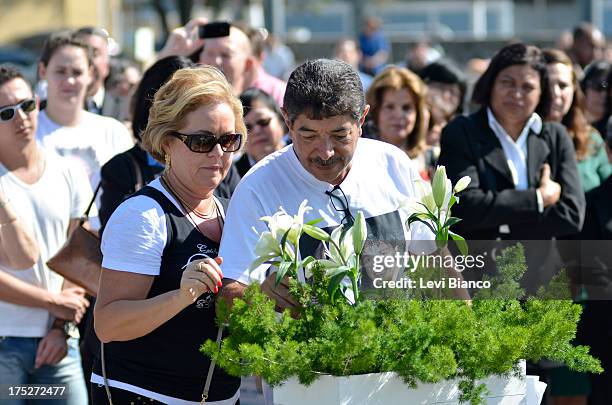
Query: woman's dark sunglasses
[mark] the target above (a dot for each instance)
(204, 143)
(7, 113)
(262, 123)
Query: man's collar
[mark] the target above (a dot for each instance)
(98, 98)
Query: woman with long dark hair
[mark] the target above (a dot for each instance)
(567, 107)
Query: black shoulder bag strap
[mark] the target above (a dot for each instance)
(91, 203)
(137, 172)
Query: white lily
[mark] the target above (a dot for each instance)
(425, 194)
(439, 186)
(281, 222)
(346, 247)
(412, 206)
(462, 184)
(359, 232)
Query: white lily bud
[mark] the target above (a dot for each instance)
(359, 232)
(439, 186)
(462, 184)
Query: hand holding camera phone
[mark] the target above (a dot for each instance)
(217, 29)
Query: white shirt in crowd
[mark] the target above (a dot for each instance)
(45, 208)
(90, 144)
(381, 177)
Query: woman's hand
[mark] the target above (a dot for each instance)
(201, 276)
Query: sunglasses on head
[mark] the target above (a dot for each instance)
(204, 143)
(27, 106)
(262, 123)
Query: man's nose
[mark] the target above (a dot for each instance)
(326, 149)
(20, 115)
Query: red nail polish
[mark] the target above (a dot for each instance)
(220, 283)
(216, 290)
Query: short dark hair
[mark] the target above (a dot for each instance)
(324, 88)
(8, 73)
(90, 30)
(58, 40)
(583, 30)
(445, 71)
(599, 70)
(254, 95)
(152, 79)
(510, 55)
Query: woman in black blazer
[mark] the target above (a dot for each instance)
(525, 182)
(539, 197)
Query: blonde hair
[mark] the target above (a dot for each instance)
(185, 92)
(397, 78)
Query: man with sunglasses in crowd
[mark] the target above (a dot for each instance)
(328, 164)
(42, 197)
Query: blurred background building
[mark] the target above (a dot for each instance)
(465, 28)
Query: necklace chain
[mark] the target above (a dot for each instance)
(188, 209)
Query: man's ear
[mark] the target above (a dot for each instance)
(286, 117)
(287, 121)
(250, 64)
(364, 114)
(366, 110)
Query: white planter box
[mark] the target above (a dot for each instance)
(387, 389)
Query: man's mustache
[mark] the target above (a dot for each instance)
(329, 162)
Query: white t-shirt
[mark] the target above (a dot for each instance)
(135, 236)
(90, 144)
(380, 178)
(45, 208)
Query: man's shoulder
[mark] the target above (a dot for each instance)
(373, 149)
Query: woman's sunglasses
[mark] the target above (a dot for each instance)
(27, 106)
(262, 123)
(204, 143)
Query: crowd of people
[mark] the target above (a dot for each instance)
(187, 156)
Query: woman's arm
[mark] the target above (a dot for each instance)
(123, 312)
(18, 249)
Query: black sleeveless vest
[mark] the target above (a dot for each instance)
(167, 360)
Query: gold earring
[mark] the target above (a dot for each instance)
(167, 158)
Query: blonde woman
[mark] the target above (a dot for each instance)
(156, 301)
(399, 113)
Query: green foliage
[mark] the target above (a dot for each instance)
(423, 341)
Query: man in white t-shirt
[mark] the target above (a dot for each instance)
(43, 198)
(328, 164)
